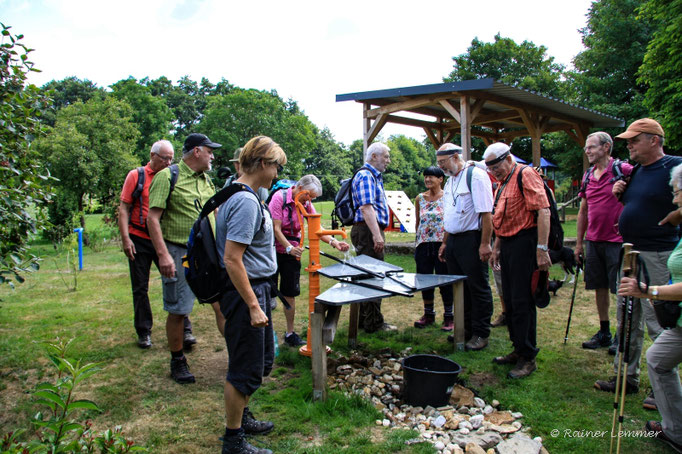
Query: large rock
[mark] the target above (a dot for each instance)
(462, 396)
(519, 444)
(500, 417)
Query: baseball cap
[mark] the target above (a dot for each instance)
(237, 152)
(198, 140)
(646, 125)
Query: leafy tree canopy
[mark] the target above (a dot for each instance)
(525, 65)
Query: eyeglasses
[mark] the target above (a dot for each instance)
(279, 166)
(591, 147)
(168, 159)
(495, 167)
(441, 162)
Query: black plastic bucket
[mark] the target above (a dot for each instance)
(429, 380)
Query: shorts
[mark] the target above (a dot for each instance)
(601, 265)
(177, 296)
(251, 351)
(290, 271)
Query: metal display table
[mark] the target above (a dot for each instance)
(363, 279)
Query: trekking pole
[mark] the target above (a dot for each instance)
(575, 286)
(631, 302)
(626, 271)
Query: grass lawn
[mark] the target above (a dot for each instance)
(135, 391)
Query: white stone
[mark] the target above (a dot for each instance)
(447, 451)
(427, 435)
(386, 422)
(488, 409)
(517, 415)
(496, 403)
(378, 422)
(465, 425)
(476, 421)
(439, 421)
(480, 403)
(516, 424)
(439, 445)
(464, 431)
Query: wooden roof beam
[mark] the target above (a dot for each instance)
(412, 122)
(407, 105)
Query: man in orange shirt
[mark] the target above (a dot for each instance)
(137, 246)
(521, 224)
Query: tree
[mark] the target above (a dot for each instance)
(662, 67)
(22, 177)
(235, 118)
(66, 92)
(90, 149)
(330, 162)
(615, 40)
(151, 115)
(525, 65)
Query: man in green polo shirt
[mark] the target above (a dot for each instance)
(169, 222)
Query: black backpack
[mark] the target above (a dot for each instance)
(207, 279)
(617, 174)
(137, 193)
(344, 209)
(555, 240)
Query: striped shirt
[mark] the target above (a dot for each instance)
(513, 211)
(191, 192)
(367, 191)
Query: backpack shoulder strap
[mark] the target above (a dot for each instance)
(469, 176)
(519, 179)
(221, 197)
(174, 171)
(137, 193)
(586, 179)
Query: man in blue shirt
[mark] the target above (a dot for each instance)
(371, 218)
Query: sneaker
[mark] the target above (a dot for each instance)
(501, 320)
(476, 343)
(293, 340)
(655, 428)
(425, 321)
(252, 426)
(523, 368)
(180, 371)
(650, 402)
(511, 358)
(610, 386)
(237, 444)
(448, 324)
(613, 349)
(387, 327)
(188, 340)
(601, 339)
(144, 341)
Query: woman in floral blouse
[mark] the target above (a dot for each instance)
(429, 219)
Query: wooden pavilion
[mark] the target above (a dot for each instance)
(485, 108)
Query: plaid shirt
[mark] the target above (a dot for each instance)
(181, 212)
(367, 192)
(515, 212)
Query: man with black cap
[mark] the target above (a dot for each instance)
(521, 223)
(644, 222)
(173, 208)
(467, 204)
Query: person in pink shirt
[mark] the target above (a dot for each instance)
(288, 244)
(598, 225)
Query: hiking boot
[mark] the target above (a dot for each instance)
(523, 368)
(476, 343)
(252, 426)
(613, 349)
(180, 371)
(650, 402)
(601, 339)
(610, 386)
(656, 429)
(188, 340)
(144, 341)
(448, 324)
(426, 320)
(511, 358)
(237, 444)
(293, 340)
(501, 320)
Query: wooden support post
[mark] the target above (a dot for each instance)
(366, 126)
(458, 332)
(465, 126)
(353, 325)
(319, 357)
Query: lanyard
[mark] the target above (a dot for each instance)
(504, 185)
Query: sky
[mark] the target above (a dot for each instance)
(308, 51)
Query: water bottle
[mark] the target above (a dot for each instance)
(274, 339)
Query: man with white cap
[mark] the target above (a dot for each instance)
(521, 224)
(647, 203)
(467, 207)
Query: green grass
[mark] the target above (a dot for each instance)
(135, 391)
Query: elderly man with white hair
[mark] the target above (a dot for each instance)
(521, 223)
(467, 207)
(371, 218)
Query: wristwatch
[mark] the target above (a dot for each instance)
(288, 249)
(543, 247)
(332, 241)
(654, 290)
